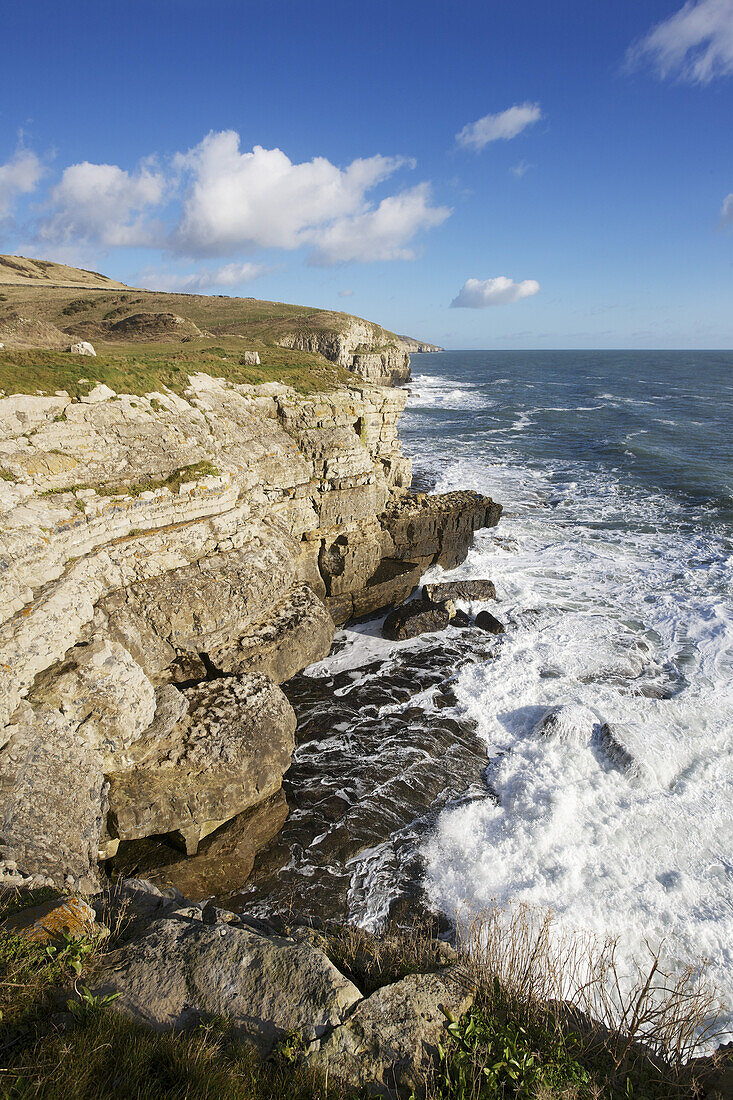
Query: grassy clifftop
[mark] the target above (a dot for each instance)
(148, 339)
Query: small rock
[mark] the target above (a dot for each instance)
(461, 619)
(413, 619)
(460, 590)
(570, 723)
(82, 348)
(489, 622)
(71, 916)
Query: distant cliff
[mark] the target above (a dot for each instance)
(414, 346)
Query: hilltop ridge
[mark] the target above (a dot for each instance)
(41, 307)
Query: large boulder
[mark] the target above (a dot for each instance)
(83, 348)
(297, 631)
(390, 1040)
(229, 753)
(183, 969)
(225, 859)
(413, 619)
(103, 692)
(488, 622)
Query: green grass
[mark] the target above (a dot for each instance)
(144, 368)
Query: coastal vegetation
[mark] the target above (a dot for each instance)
(521, 1038)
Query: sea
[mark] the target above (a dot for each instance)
(419, 768)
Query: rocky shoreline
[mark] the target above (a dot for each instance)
(168, 562)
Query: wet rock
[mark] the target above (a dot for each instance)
(438, 529)
(227, 754)
(570, 723)
(610, 740)
(486, 621)
(183, 969)
(390, 1040)
(438, 592)
(413, 619)
(461, 619)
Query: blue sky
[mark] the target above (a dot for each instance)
(592, 206)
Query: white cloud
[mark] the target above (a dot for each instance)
(228, 275)
(220, 201)
(18, 176)
(726, 212)
(520, 169)
(695, 43)
(381, 233)
(480, 293)
(105, 204)
(346, 294)
(261, 199)
(500, 127)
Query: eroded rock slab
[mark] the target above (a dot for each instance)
(182, 970)
(297, 632)
(467, 590)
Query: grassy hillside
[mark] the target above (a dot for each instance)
(20, 270)
(148, 339)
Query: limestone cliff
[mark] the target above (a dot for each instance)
(360, 346)
(165, 562)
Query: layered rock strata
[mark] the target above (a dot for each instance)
(165, 563)
(360, 346)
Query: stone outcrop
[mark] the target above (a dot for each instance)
(436, 530)
(165, 562)
(368, 350)
(390, 1041)
(186, 968)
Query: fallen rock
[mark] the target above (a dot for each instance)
(250, 359)
(460, 590)
(53, 919)
(489, 622)
(390, 1041)
(229, 753)
(82, 348)
(297, 632)
(570, 723)
(413, 619)
(182, 970)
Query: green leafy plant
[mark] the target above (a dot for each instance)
(89, 1003)
(490, 1057)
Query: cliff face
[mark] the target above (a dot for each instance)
(165, 562)
(360, 346)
